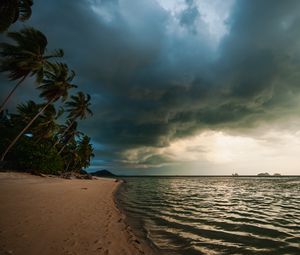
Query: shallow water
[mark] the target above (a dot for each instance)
(216, 215)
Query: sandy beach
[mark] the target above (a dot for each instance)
(53, 216)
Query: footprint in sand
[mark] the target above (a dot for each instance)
(73, 243)
(98, 241)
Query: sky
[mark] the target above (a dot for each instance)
(185, 87)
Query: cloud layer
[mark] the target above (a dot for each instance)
(160, 72)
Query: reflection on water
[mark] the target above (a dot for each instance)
(216, 215)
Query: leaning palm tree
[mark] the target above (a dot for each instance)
(79, 154)
(55, 85)
(71, 136)
(43, 127)
(26, 111)
(25, 58)
(47, 125)
(78, 108)
(12, 10)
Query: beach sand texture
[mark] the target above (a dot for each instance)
(53, 216)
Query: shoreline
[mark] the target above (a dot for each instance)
(51, 215)
(133, 225)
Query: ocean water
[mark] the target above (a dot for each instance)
(215, 215)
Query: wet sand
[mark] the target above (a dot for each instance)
(53, 216)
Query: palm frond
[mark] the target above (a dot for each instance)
(25, 9)
(9, 13)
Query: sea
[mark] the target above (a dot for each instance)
(214, 215)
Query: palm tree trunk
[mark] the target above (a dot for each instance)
(38, 140)
(11, 93)
(61, 150)
(67, 168)
(57, 141)
(25, 128)
(74, 167)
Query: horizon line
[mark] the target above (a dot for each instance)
(276, 176)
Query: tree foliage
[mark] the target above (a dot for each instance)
(26, 56)
(32, 137)
(37, 157)
(13, 10)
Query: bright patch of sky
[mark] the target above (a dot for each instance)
(216, 152)
(214, 13)
(271, 150)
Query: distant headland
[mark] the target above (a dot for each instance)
(103, 173)
(268, 175)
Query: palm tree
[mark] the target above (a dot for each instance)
(25, 58)
(47, 125)
(71, 155)
(80, 154)
(71, 135)
(43, 127)
(26, 111)
(12, 10)
(25, 9)
(55, 85)
(77, 107)
(85, 151)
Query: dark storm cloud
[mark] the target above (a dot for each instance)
(154, 80)
(189, 16)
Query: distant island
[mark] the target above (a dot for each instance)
(103, 173)
(263, 174)
(267, 174)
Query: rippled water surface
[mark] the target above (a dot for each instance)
(216, 215)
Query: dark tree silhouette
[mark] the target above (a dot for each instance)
(26, 57)
(78, 108)
(13, 10)
(55, 85)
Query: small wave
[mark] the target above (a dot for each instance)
(217, 215)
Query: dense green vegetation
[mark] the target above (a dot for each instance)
(33, 138)
(13, 10)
